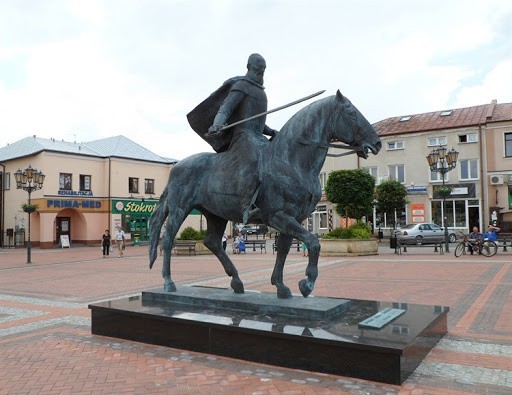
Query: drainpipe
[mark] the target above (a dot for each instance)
(2, 198)
(484, 193)
(109, 214)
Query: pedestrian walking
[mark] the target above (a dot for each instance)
(105, 243)
(120, 240)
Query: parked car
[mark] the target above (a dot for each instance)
(423, 233)
(252, 230)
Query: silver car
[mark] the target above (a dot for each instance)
(423, 233)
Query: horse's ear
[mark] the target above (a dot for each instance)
(339, 96)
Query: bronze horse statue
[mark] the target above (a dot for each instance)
(288, 193)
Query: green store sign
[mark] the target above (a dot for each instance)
(138, 207)
(133, 207)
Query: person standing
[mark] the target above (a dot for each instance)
(224, 241)
(119, 240)
(105, 243)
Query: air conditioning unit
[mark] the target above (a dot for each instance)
(496, 180)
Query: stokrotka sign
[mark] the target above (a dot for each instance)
(132, 207)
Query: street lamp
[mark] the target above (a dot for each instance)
(29, 180)
(442, 161)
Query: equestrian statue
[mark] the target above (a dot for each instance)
(251, 178)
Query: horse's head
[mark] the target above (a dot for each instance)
(352, 128)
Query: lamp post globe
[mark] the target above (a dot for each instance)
(29, 180)
(441, 161)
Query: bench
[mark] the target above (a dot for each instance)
(502, 242)
(295, 243)
(403, 247)
(262, 244)
(185, 245)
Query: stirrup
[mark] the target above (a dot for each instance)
(248, 213)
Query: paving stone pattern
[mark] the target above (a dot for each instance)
(46, 346)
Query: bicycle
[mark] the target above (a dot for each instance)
(484, 247)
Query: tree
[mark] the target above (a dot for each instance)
(352, 192)
(391, 196)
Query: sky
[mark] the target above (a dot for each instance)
(81, 70)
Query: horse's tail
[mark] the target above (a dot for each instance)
(156, 222)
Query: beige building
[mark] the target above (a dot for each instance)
(88, 188)
(480, 182)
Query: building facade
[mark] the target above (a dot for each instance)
(481, 182)
(88, 188)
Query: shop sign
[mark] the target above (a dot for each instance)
(418, 212)
(413, 189)
(70, 203)
(133, 207)
(74, 193)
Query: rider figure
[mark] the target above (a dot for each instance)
(246, 98)
(237, 99)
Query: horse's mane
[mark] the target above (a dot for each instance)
(305, 121)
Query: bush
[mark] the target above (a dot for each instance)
(190, 233)
(359, 230)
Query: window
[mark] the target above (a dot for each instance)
(323, 180)
(371, 170)
(321, 212)
(468, 169)
(85, 182)
(446, 113)
(133, 185)
(7, 181)
(394, 145)
(149, 186)
(468, 138)
(397, 173)
(436, 141)
(437, 177)
(65, 181)
(406, 118)
(508, 145)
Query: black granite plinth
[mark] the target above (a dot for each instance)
(331, 344)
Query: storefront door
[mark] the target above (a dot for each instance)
(63, 227)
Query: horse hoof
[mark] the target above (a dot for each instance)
(170, 287)
(305, 288)
(283, 292)
(238, 286)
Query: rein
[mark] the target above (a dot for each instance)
(352, 150)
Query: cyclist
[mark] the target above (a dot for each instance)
(475, 237)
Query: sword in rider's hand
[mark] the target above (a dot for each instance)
(271, 111)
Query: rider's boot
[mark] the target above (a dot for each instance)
(249, 212)
(249, 209)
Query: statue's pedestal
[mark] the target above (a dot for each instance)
(317, 334)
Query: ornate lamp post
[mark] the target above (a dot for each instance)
(442, 161)
(29, 180)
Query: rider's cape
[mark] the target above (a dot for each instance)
(202, 117)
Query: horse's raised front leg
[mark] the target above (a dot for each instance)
(294, 229)
(213, 241)
(306, 286)
(283, 247)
